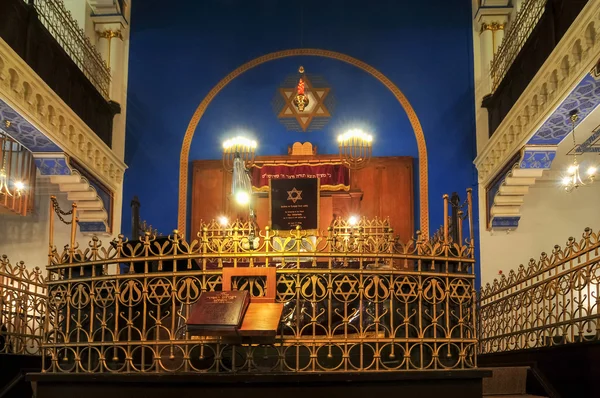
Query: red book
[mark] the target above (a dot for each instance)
(218, 311)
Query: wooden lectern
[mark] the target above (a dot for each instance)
(263, 314)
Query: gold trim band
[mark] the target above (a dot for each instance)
(339, 187)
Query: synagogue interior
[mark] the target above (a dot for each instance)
(325, 197)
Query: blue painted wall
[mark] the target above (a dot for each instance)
(179, 51)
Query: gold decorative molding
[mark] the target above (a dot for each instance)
(580, 48)
(412, 117)
(7, 123)
(24, 91)
(493, 26)
(110, 34)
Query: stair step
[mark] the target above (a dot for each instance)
(513, 396)
(92, 215)
(74, 187)
(90, 205)
(506, 381)
(84, 195)
(65, 179)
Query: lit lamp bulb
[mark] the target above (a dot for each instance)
(242, 198)
(353, 220)
(241, 146)
(239, 143)
(19, 186)
(355, 148)
(223, 221)
(592, 171)
(572, 169)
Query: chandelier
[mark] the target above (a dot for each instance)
(241, 147)
(573, 178)
(355, 148)
(9, 187)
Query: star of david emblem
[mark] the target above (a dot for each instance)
(212, 283)
(346, 288)
(104, 293)
(290, 289)
(315, 109)
(294, 195)
(405, 288)
(160, 290)
(460, 290)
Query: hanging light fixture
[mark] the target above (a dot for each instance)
(243, 147)
(301, 101)
(573, 180)
(355, 148)
(241, 187)
(10, 186)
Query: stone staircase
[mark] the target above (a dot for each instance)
(507, 382)
(91, 210)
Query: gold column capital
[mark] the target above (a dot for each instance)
(493, 26)
(109, 34)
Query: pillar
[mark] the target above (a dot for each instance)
(486, 40)
(498, 31)
(113, 45)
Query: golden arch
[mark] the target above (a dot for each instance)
(412, 117)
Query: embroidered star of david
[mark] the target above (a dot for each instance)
(315, 108)
(294, 195)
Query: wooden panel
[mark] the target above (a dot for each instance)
(209, 194)
(383, 189)
(268, 272)
(261, 320)
(396, 199)
(387, 186)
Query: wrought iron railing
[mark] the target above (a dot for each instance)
(63, 27)
(514, 39)
(353, 300)
(552, 301)
(22, 308)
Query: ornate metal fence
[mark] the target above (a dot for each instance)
(60, 23)
(550, 302)
(354, 299)
(516, 35)
(22, 308)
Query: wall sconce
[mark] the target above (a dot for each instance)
(355, 148)
(241, 146)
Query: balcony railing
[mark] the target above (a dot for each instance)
(22, 308)
(59, 22)
(529, 41)
(61, 57)
(553, 301)
(515, 37)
